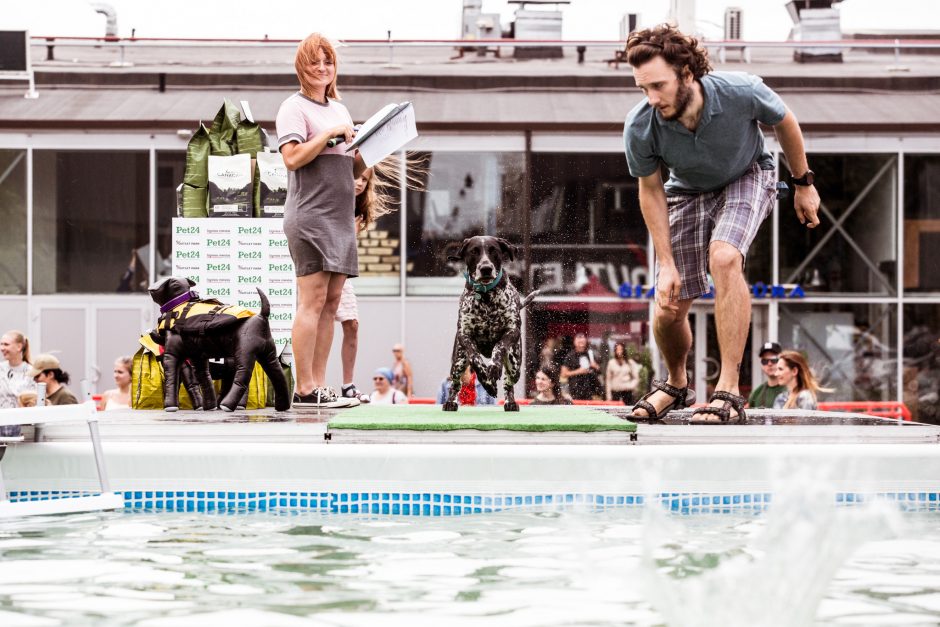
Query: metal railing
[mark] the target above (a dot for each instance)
(147, 42)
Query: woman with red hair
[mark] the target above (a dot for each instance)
(319, 213)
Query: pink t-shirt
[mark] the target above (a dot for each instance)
(300, 118)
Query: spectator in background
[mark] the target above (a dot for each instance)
(14, 374)
(622, 376)
(471, 391)
(548, 388)
(402, 378)
(766, 393)
(370, 205)
(384, 393)
(47, 369)
(802, 386)
(580, 368)
(119, 397)
(548, 353)
(14, 368)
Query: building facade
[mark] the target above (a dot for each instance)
(529, 151)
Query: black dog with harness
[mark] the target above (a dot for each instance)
(198, 330)
(489, 321)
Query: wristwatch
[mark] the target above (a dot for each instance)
(806, 180)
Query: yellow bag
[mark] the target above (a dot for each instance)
(147, 381)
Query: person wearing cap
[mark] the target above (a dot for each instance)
(765, 393)
(384, 393)
(47, 369)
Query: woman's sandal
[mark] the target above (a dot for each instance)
(680, 400)
(731, 401)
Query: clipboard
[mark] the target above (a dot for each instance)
(375, 122)
(388, 131)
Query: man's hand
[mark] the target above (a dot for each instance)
(668, 287)
(806, 203)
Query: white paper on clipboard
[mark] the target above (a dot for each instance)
(388, 130)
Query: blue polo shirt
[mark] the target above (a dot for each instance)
(722, 148)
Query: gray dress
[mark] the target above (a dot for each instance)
(319, 219)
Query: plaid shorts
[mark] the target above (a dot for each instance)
(733, 214)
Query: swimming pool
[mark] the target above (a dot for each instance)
(285, 530)
(533, 567)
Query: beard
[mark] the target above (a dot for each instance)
(683, 99)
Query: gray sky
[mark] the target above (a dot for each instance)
(422, 19)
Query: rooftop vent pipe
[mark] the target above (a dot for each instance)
(110, 28)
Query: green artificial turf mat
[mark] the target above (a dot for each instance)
(433, 418)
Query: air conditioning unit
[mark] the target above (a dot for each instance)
(816, 20)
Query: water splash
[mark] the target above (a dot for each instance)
(780, 576)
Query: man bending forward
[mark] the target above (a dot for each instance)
(704, 126)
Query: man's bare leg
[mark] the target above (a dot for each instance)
(732, 313)
(674, 337)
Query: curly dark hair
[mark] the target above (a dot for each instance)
(676, 49)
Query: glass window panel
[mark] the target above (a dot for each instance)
(13, 218)
(171, 167)
(922, 361)
(588, 234)
(90, 215)
(852, 348)
(854, 249)
(922, 223)
(465, 194)
(551, 327)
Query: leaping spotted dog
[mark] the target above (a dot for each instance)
(489, 322)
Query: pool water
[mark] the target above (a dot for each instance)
(549, 567)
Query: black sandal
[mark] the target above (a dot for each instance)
(680, 400)
(731, 401)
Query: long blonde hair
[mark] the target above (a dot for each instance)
(307, 53)
(378, 198)
(23, 341)
(805, 379)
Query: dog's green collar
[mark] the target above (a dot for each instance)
(482, 288)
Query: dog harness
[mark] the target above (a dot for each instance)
(479, 289)
(199, 317)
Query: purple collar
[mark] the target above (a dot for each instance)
(182, 298)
